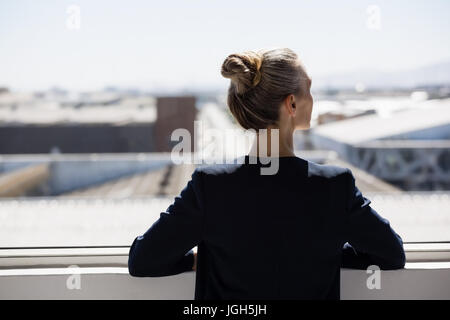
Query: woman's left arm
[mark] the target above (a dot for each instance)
(166, 247)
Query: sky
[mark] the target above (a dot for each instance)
(182, 44)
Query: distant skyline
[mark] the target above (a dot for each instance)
(182, 44)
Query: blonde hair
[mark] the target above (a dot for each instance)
(259, 83)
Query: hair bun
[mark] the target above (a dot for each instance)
(243, 69)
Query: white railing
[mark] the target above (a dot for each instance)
(416, 281)
(101, 273)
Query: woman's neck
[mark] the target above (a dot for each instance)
(265, 144)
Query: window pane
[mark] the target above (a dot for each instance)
(96, 96)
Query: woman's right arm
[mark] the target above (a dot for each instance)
(370, 238)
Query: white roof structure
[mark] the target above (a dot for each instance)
(47, 222)
(428, 114)
(44, 115)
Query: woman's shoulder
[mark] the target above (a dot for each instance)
(326, 170)
(217, 168)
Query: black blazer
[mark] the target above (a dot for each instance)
(281, 236)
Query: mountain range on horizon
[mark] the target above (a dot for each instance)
(433, 74)
(437, 74)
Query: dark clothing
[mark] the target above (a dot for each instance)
(281, 236)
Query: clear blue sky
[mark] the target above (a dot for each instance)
(183, 43)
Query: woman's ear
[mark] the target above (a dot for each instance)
(290, 105)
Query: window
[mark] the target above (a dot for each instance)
(85, 129)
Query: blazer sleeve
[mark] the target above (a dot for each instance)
(370, 238)
(166, 247)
